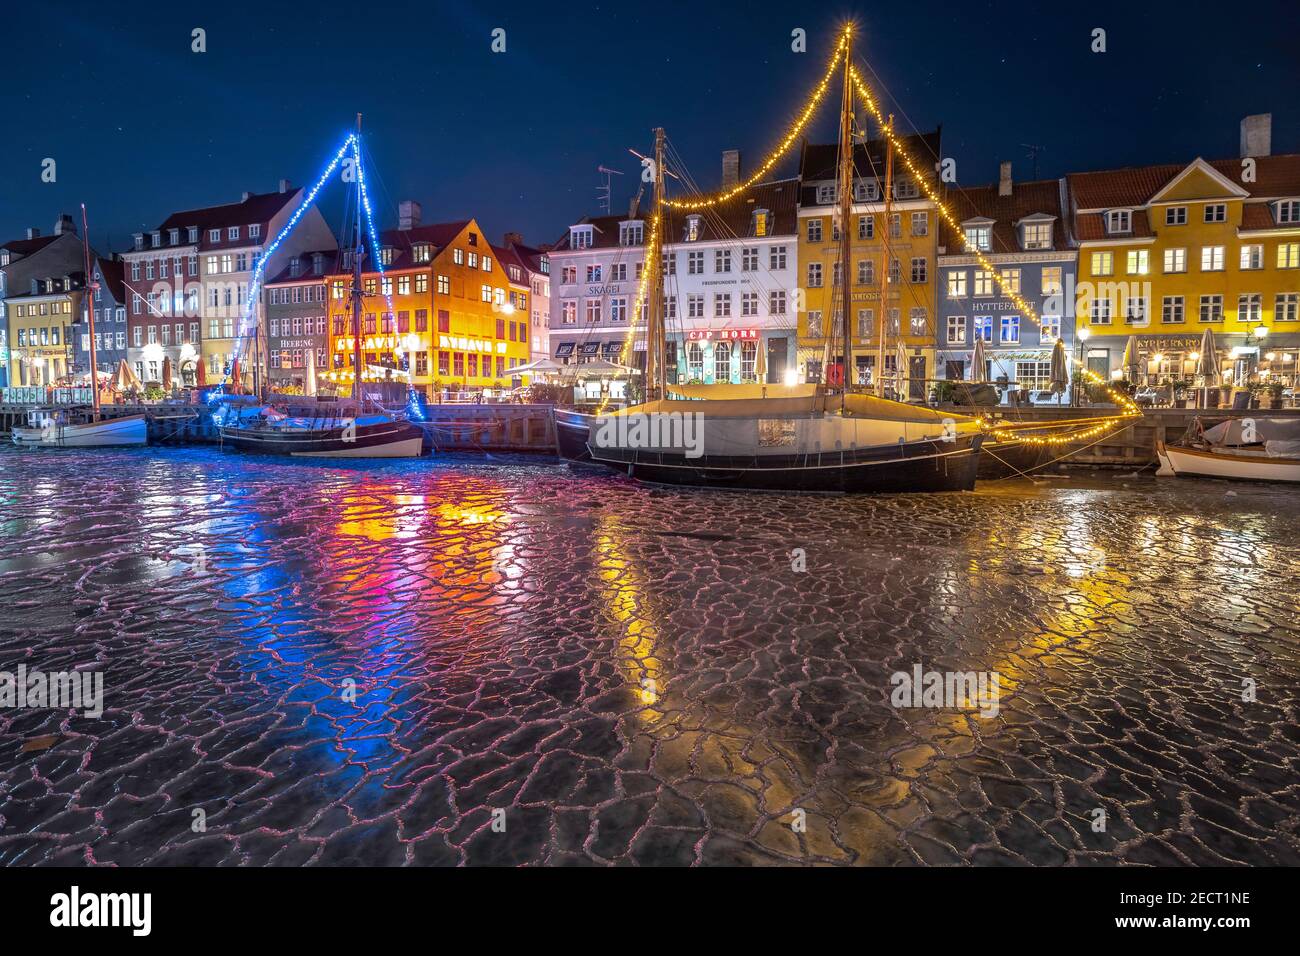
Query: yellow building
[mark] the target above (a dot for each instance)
(1166, 252)
(453, 323)
(910, 236)
(40, 328)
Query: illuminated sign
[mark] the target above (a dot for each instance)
(707, 335)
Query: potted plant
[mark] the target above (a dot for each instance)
(1275, 390)
(944, 392)
(1256, 390)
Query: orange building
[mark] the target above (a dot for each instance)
(452, 323)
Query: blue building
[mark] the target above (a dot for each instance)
(109, 313)
(1020, 230)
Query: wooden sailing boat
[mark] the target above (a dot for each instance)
(836, 439)
(326, 430)
(62, 427)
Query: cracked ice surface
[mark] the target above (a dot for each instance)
(637, 675)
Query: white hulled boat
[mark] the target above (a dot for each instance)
(1245, 449)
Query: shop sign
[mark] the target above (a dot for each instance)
(708, 335)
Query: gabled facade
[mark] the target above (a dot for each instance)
(1019, 229)
(537, 264)
(108, 309)
(41, 321)
(297, 320)
(909, 311)
(21, 260)
(1166, 252)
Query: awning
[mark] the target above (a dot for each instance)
(613, 348)
(589, 348)
(564, 348)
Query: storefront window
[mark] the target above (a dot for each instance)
(722, 362)
(748, 358)
(694, 361)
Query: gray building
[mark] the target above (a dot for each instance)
(108, 308)
(1019, 229)
(296, 327)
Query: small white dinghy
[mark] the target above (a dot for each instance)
(1246, 449)
(46, 429)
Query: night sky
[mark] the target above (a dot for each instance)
(140, 126)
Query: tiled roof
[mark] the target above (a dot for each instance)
(258, 208)
(983, 202)
(1134, 186)
(25, 247)
(508, 256)
(531, 257)
(734, 219)
(114, 274)
(305, 261)
(604, 234)
(401, 241)
(1091, 226)
(818, 160)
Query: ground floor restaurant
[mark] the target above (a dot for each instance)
(1028, 371)
(916, 379)
(1163, 359)
(698, 356)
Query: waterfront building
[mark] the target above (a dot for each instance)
(1019, 229)
(452, 327)
(188, 280)
(41, 321)
(910, 276)
(297, 320)
(108, 308)
(519, 293)
(730, 275)
(1168, 251)
(21, 260)
(596, 269)
(536, 260)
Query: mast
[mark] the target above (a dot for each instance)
(87, 296)
(357, 251)
(885, 263)
(656, 333)
(846, 206)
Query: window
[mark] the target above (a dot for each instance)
(1034, 376)
(979, 238)
(593, 273)
(866, 227)
(668, 264)
(214, 235)
(232, 232)
(1119, 221)
(776, 257)
(1049, 329)
(866, 272)
(1176, 216)
(458, 257)
(776, 302)
(956, 330)
(895, 271)
(815, 323)
(814, 230)
(749, 303)
(1288, 255)
(1285, 307)
(1010, 328)
(694, 360)
(579, 238)
(896, 226)
(1211, 308)
(1052, 280)
(487, 263)
(1252, 257)
(866, 323)
(1175, 260)
(749, 260)
(569, 312)
(255, 231)
(1216, 212)
(1139, 262)
(1103, 263)
(593, 311)
(1038, 235)
(722, 362)
(920, 223)
(722, 260)
(919, 269)
(617, 311)
(695, 263)
(1011, 280)
(865, 190)
(906, 189)
(1212, 259)
(618, 272)
(722, 305)
(1135, 310)
(695, 306)
(983, 330)
(825, 193)
(814, 275)
(1171, 309)
(759, 225)
(983, 282)
(1250, 308)
(1100, 312)
(473, 260)
(630, 233)
(694, 227)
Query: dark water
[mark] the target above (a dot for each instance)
(635, 675)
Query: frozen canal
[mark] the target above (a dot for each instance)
(475, 662)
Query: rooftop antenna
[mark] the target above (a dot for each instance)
(1033, 155)
(604, 189)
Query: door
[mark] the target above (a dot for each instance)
(777, 357)
(916, 377)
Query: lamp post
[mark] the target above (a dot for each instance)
(1083, 335)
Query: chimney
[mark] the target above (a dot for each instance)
(730, 168)
(1004, 179)
(513, 239)
(33, 232)
(284, 185)
(1257, 135)
(408, 215)
(65, 226)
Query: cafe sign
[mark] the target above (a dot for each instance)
(723, 335)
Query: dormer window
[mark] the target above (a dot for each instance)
(825, 194)
(761, 224)
(546, 266)
(421, 252)
(694, 227)
(580, 237)
(214, 235)
(906, 189)
(255, 231)
(139, 240)
(194, 234)
(386, 255)
(631, 233)
(866, 190)
(317, 263)
(1036, 235)
(295, 267)
(979, 237)
(1119, 221)
(173, 237)
(155, 239)
(233, 232)
(1288, 210)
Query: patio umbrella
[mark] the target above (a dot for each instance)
(826, 359)
(760, 362)
(200, 373)
(1208, 359)
(977, 362)
(1130, 359)
(167, 373)
(309, 380)
(124, 379)
(1060, 374)
(900, 365)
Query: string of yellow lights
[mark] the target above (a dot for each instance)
(1128, 408)
(791, 137)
